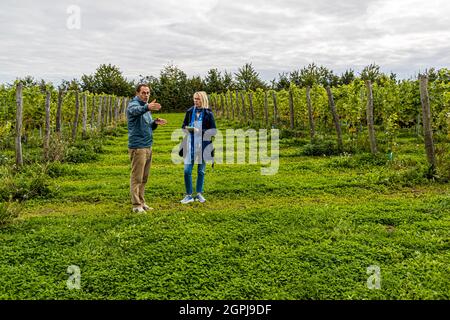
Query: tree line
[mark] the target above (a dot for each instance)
(173, 88)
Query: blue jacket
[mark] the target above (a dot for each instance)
(140, 124)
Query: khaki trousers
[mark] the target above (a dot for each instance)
(141, 161)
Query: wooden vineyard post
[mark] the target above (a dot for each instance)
(275, 109)
(227, 107)
(244, 112)
(426, 120)
(336, 120)
(266, 108)
(291, 109)
(47, 125)
(77, 113)
(211, 103)
(217, 104)
(116, 110)
(92, 112)
(84, 101)
(312, 130)
(250, 101)
(19, 117)
(232, 106)
(121, 100)
(214, 101)
(370, 121)
(119, 106)
(105, 112)
(110, 110)
(99, 113)
(237, 104)
(58, 111)
(221, 106)
(124, 110)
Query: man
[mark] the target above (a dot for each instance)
(140, 140)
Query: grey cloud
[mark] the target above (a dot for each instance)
(142, 36)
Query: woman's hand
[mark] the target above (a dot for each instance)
(191, 129)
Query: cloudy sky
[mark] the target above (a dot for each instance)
(63, 39)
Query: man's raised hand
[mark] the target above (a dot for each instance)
(154, 106)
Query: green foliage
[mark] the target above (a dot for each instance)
(348, 160)
(57, 148)
(107, 79)
(308, 232)
(173, 89)
(371, 72)
(228, 81)
(196, 84)
(3, 159)
(397, 107)
(30, 183)
(307, 76)
(58, 169)
(248, 79)
(216, 82)
(347, 77)
(443, 161)
(8, 212)
(213, 82)
(82, 152)
(405, 178)
(5, 128)
(320, 147)
(111, 131)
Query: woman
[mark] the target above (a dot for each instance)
(199, 126)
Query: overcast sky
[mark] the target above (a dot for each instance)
(42, 38)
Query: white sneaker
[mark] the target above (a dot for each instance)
(200, 198)
(138, 210)
(187, 199)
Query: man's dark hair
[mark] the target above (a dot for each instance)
(138, 88)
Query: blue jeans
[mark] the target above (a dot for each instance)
(200, 176)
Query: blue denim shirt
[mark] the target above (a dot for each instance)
(140, 124)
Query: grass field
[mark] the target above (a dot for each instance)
(308, 232)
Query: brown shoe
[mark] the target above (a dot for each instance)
(147, 208)
(138, 210)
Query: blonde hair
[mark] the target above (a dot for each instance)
(203, 98)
